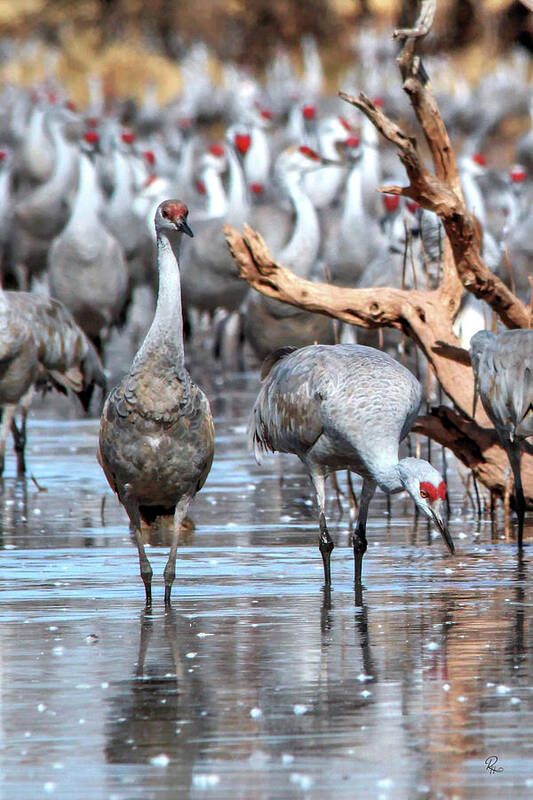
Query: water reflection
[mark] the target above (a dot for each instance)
(158, 715)
(258, 683)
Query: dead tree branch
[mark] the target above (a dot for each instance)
(423, 23)
(437, 195)
(425, 316)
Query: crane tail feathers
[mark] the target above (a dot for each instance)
(257, 438)
(273, 358)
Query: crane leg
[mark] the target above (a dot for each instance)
(325, 545)
(132, 511)
(8, 414)
(19, 440)
(359, 534)
(515, 455)
(170, 568)
(354, 505)
(19, 434)
(325, 542)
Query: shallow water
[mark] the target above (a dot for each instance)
(256, 684)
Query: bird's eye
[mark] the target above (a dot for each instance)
(424, 494)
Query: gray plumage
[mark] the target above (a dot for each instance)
(503, 371)
(86, 254)
(270, 324)
(345, 407)
(156, 433)
(40, 346)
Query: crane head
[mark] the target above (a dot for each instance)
(90, 142)
(171, 215)
(427, 488)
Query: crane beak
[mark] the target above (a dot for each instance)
(182, 226)
(436, 516)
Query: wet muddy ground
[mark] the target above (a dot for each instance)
(256, 684)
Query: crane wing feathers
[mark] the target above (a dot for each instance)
(337, 390)
(286, 415)
(65, 353)
(273, 358)
(505, 375)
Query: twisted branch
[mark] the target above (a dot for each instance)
(424, 316)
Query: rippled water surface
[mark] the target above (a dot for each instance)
(256, 684)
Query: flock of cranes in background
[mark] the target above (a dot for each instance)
(79, 191)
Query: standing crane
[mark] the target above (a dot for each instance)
(156, 432)
(345, 406)
(41, 346)
(503, 372)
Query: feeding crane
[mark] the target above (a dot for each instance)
(341, 407)
(503, 371)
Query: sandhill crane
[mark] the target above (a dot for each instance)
(345, 407)
(503, 371)
(36, 154)
(356, 239)
(256, 161)
(85, 251)
(270, 324)
(211, 167)
(40, 344)
(516, 238)
(471, 167)
(324, 186)
(41, 213)
(120, 216)
(210, 278)
(156, 432)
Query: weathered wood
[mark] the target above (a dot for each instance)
(423, 22)
(437, 195)
(418, 313)
(425, 316)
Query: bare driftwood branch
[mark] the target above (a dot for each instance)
(425, 316)
(418, 313)
(423, 23)
(461, 228)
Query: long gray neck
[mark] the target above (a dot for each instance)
(238, 200)
(217, 201)
(65, 165)
(87, 202)
(385, 471)
(300, 252)
(122, 194)
(5, 188)
(164, 340)
(354, 211)
(257, 159)
(370, 160)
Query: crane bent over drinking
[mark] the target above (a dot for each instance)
(345, 406)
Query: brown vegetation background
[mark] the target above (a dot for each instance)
(129, 42)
